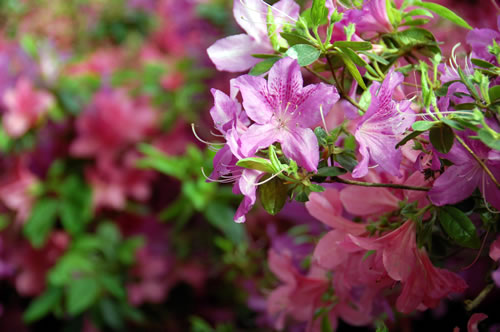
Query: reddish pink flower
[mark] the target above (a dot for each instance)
(113, 181)
(33, 264)
(495, 250)
(112, 122)
(25, 107)
(15, 190)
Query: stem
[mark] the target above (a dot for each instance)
(471, 304)
(378, 185)
(324, 79)
(340, 88)
(479, 161)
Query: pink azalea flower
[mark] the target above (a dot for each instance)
(381, 128)
(480, 39)
(283, 111)
(25, 107)
(372, 18)
(465, 175)
(112, 183)
(112, 122)
(495, 255)
(33, 264)
(234, 53)
(15, 190)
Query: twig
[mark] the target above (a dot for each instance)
(471, 304)
(378, 185)
(340, 88)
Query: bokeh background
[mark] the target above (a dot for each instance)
(107, 221)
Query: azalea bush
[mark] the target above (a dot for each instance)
(136, 137)
(392, 144)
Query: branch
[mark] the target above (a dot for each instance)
(378, 185)
(340, 88)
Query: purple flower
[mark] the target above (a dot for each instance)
(381, 128)
(372, 18)
(283, 111)
(232, 123)
(234, 53)
(461, 179)
(480, 39)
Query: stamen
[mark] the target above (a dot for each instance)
(270, 178)
(323, 117)
(203, 141)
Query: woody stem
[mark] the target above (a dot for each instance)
(378, 185)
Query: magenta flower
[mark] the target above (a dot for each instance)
(234, 53)
(381, 128)
(372, 18)
(283, 111)
(25, 107)
(231, 121)
(480, 39)
(112, 121)
(461, 179)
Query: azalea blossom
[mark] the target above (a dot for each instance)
(234, 53)
(381, 128)
(465, 175)
(25, 107)
(283, 111)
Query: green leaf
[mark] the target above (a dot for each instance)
(422, 125)
(72, 263)
(263, 66)
(82, 294)
(494, 93)
(260, 164)
(43, 304)
(444, 13)
(442, 138)
(318, 13)
(110, 312)
(330, 171)
(316, 188)
(76, 204)
(408, 137)
(351, 67)
(304, 54)
(347, 161)
(458, 227)
(354, 57)
(293, 38)
(28, 43)
(273, 195)
(221, 217)
(42, 220)
(418, 12)
(354, 45)
(375, 57)
(482, 63)
(489, 139)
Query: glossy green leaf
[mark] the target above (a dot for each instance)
(273, 195)
(442, 138)
(351, 67)
(354, 45)
(42, 220)
(82, 294)
(260, 164)
(331, 171)
(458, 227)
(422, 125)
(43, 304)
(494, 93)
(489, 138)
(263, 66)
(444, 13)
(304, 54)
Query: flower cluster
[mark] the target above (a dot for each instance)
(396, 147)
